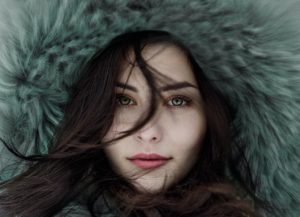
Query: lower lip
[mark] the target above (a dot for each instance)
(149, 164)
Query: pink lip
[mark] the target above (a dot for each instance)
(149, 161)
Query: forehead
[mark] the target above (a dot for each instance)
(168, 60)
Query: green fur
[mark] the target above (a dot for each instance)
(249, 48)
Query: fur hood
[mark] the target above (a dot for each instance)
(249, 49)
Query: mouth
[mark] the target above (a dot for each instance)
(149, 161)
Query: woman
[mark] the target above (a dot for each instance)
(144, 131)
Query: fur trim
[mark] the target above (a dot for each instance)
(250, 49)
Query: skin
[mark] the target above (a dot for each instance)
(176, 130)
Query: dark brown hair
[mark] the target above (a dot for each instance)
(76, 168)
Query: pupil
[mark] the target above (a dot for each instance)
(176, 101)
(125, 100)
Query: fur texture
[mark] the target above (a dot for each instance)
(250, 49)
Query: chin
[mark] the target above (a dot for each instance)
(152, 186)
(148, 189)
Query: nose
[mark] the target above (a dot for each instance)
(149, 134)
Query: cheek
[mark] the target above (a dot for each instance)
(114, 133)
(115, 154)
(189, 133)
(118, 149)
(112, 154)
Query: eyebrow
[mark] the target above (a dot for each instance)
(169, 87)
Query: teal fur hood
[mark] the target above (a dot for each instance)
(249, 49)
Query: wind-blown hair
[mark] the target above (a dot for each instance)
(76, 168)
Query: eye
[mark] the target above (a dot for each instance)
(179, 101)
(124, 100)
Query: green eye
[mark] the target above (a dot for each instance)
(124, 100)
(178, 101)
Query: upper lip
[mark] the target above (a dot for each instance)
(143, 156)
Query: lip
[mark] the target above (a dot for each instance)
(149, 161)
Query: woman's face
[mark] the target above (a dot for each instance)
(167, 147)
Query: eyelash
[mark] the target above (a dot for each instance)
(186, 104)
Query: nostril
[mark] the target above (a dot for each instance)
(152, 139)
